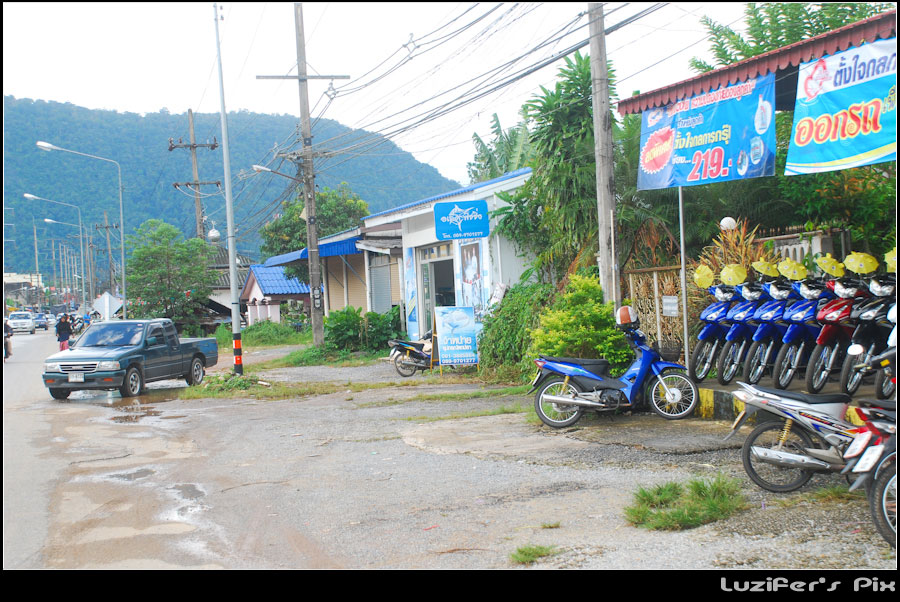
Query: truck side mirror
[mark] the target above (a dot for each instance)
(151, 341)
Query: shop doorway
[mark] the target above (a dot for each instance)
(438, 282)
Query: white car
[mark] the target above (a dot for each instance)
(21, 320)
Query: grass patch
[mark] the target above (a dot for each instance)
(264, 334)
(514, 409)
(233, 386)
(673, 506)
(531, 554)
(555, 525)
(834, 493)
(467, 395)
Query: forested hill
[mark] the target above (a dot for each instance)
(381, 174)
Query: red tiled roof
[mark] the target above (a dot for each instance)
(878, 27)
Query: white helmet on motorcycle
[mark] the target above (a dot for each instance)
(626, 317)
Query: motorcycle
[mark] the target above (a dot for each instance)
(740, 334)
(802, 331)
(871, 331)
(712, 336)
(566, 387)
(772, 328)
(808, 436)
(886, 377)
(411, 356)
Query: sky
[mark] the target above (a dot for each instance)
(405, 60)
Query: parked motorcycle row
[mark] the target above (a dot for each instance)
(788, 324)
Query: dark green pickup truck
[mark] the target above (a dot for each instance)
(124, 355)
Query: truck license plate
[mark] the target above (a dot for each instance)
(76, 377)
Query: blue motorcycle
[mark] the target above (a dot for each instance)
(566, 387)
(770, 330)
(712, 336)
(740, 332)
(800, 337)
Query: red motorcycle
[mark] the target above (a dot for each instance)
(837, 332)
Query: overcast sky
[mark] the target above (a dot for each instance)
(142, 57)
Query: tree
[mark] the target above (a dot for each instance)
(336, 211)
(168, 276)
(508, 151)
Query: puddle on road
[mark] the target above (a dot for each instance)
(132, 408)
(134, 476)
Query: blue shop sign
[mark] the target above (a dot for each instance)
(465, 219)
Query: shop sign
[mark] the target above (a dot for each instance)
(457, 335)
(723, 135)
(457, 220)
(846, 110)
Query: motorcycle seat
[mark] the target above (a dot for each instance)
(886, 404)
(600, 367)
(809, 398)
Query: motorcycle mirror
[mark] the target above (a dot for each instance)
(856, 349)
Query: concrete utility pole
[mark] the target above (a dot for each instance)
(307, 175)
(195, 185)
(603, 151)
(112, 273)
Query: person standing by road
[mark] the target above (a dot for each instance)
(63, 332)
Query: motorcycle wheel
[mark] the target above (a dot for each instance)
(883, 503)
(729, 362)
(555, 414)
(679, 402)
(702, 359)
(769, 476)
(403, 369)
(884, 385)
(817, 372)
(852, 377)
(755, 364)
(786, 365)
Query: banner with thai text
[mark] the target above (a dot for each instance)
(724, 135)
(457, 335)
(846, 110)
(464, 219)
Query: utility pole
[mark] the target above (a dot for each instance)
(106, 226)
(306, 173)
(603, 151)
(195, 185)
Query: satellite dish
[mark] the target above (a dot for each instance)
(213, 235)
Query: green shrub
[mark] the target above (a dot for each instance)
(348, 329)
(580, 324)
(378, 329)
(505, 340)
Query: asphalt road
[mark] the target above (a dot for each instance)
(390, 477)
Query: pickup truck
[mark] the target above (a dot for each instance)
(124, 355)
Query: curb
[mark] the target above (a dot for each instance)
(717, 404)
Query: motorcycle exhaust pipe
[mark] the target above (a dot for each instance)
(788, 460)
(573, 401)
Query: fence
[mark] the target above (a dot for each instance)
(655, 293)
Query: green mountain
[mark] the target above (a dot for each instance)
(376, 169)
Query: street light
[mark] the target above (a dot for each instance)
(81, 243)
(50, 147)
(315, 280)
(32, 197)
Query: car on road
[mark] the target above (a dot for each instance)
(41, 321)
(124, 355)
(22, 320)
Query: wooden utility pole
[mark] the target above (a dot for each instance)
(603, 150)
(306, 174)
(106, 226)
(195, 185)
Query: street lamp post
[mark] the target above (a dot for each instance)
(81, 243)
(50, 147)
(32, 197)
(315, 278)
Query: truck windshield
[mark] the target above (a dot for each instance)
(111, 334)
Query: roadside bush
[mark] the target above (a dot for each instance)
(580, 324)
(262, 334)
(348, 329)
(505, 339)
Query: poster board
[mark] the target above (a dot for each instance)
(456, 340)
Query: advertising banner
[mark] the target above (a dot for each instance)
(845, 115)
(457, 335)
(456, 220)
(720, 136)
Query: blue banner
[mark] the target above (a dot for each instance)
(724, 135)
(846, 110)
(466, 219)
(457, 335)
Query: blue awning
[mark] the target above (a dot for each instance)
(328, 249)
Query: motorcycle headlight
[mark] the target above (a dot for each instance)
(751, 294)
(49, 367)
(844, 292)
(723, 295)
(768, 315)
(108, 365)
(881, 290)
(778, 293)
(809, 293)
(832, 316)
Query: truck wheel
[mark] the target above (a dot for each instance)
(59, 393)
(195, 376)
(133, 383)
